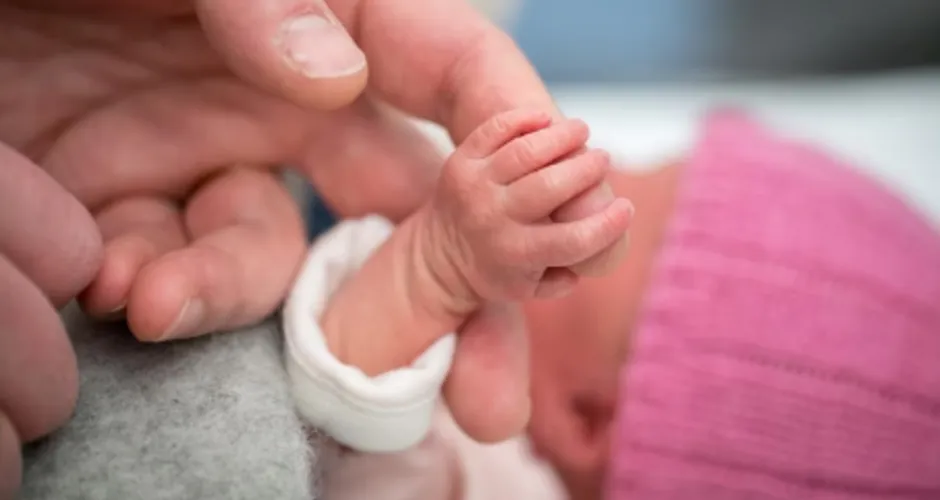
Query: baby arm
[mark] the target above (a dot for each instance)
(368, 346)
(485, 236)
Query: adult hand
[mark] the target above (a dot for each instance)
(49, 251)
(140, 119)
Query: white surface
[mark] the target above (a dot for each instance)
(389, 412)
(888, 125)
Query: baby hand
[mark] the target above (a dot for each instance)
(491, 236)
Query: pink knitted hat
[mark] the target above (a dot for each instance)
(790, 344)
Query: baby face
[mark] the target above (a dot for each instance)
(578, 346)
(580, 343)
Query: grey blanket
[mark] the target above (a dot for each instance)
(200, 419)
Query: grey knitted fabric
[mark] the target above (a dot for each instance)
(201, 419)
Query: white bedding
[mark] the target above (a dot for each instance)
(888, 125)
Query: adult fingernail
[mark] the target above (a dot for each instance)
(187, 321)
(317, 45)
(115, 314)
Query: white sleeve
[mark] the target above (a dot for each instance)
(390, 412)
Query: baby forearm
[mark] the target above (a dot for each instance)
(394, 307)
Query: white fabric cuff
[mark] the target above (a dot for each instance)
(386, 413)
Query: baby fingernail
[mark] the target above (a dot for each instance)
(631, 208)
(187, 321)
(318, 46)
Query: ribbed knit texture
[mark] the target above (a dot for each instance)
(790, 344)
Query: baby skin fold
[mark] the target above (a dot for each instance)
(485, 236)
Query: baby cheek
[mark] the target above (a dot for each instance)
(576, 350)
(576, 360)
(559, 335)
(585, 329)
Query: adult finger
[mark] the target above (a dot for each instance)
(11, 467)
(46, 232)
(136, 231)
(372, 160)
(296, 48)
(363, 159)
(38, 370)
(167, 140)
(248, 243)
(488, 386)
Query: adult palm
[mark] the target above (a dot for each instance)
(141, 120)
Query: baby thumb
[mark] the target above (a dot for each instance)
(297, 49)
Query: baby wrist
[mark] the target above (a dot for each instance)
(388, 412)
(440, 282)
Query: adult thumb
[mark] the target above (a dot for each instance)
(487, 389)
(297, 49)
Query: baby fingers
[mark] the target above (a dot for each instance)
(568, 243)
(537, 195)
(533, 151)
(499, 130)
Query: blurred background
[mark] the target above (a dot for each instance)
(669, 40)
(860, 78)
